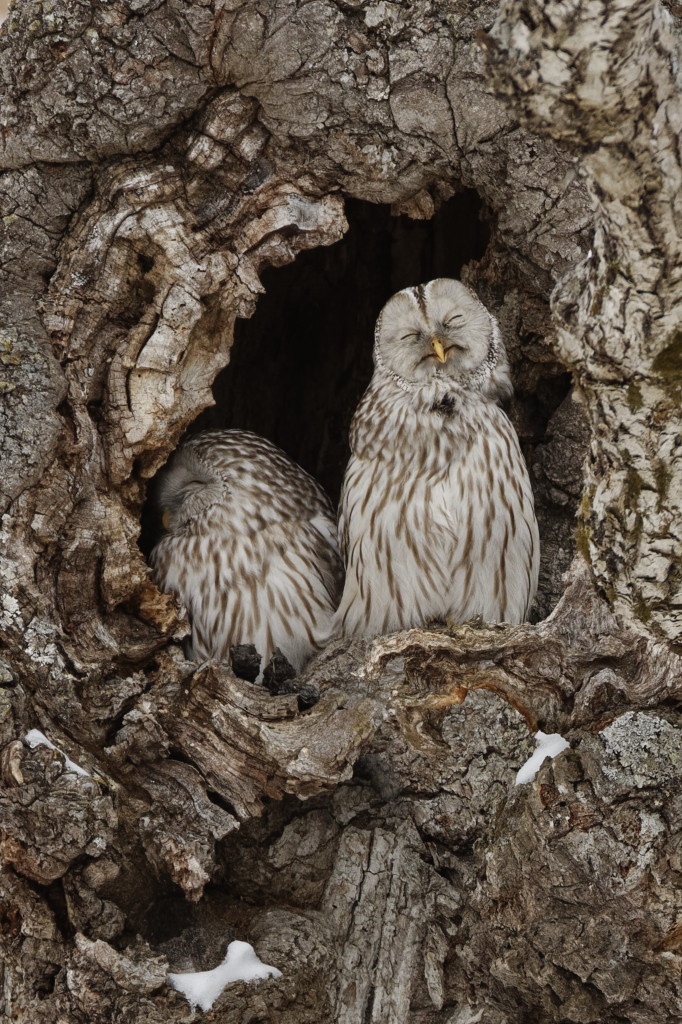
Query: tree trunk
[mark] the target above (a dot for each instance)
(163, 160)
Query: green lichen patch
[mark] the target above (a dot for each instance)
(641, 609)
(597, 301)
(668, 362)
(634, 397)
(582, 540)
(633, 486)
(8, 357)
(613, 271)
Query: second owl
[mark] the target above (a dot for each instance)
(436, 516)
(249, 547)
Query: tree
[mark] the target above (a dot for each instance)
(362, 830)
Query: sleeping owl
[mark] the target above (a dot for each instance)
(249, 547)
(436, 517)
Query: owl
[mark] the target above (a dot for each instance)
(436, 517)
(249, 547)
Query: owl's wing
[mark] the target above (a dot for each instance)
(276, 586)
(351, 497)
(486, 509)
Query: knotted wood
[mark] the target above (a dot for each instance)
(364, 830)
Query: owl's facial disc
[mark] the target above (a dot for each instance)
(436, 331)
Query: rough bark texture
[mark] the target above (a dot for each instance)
(363, 831)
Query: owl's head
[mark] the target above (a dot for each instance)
(186, 489)
(440, 331)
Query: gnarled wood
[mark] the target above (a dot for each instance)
(363, 830)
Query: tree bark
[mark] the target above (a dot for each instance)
(362, 830)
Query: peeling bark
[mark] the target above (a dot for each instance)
(363, 830)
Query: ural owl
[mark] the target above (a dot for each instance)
(436, 516)
(250, 548)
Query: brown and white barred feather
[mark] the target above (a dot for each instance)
(437, 517)
(250, 548)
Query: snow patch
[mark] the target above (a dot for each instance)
(35, 738)
(546, 745)
(241, 963)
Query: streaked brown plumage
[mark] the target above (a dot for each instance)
(250, 548)
(436, 516)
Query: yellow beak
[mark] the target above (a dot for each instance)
(437, 346)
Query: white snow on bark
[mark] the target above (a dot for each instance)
(241, 963)
(547, 745)
(35, 738)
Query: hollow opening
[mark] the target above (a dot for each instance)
(299, 366)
